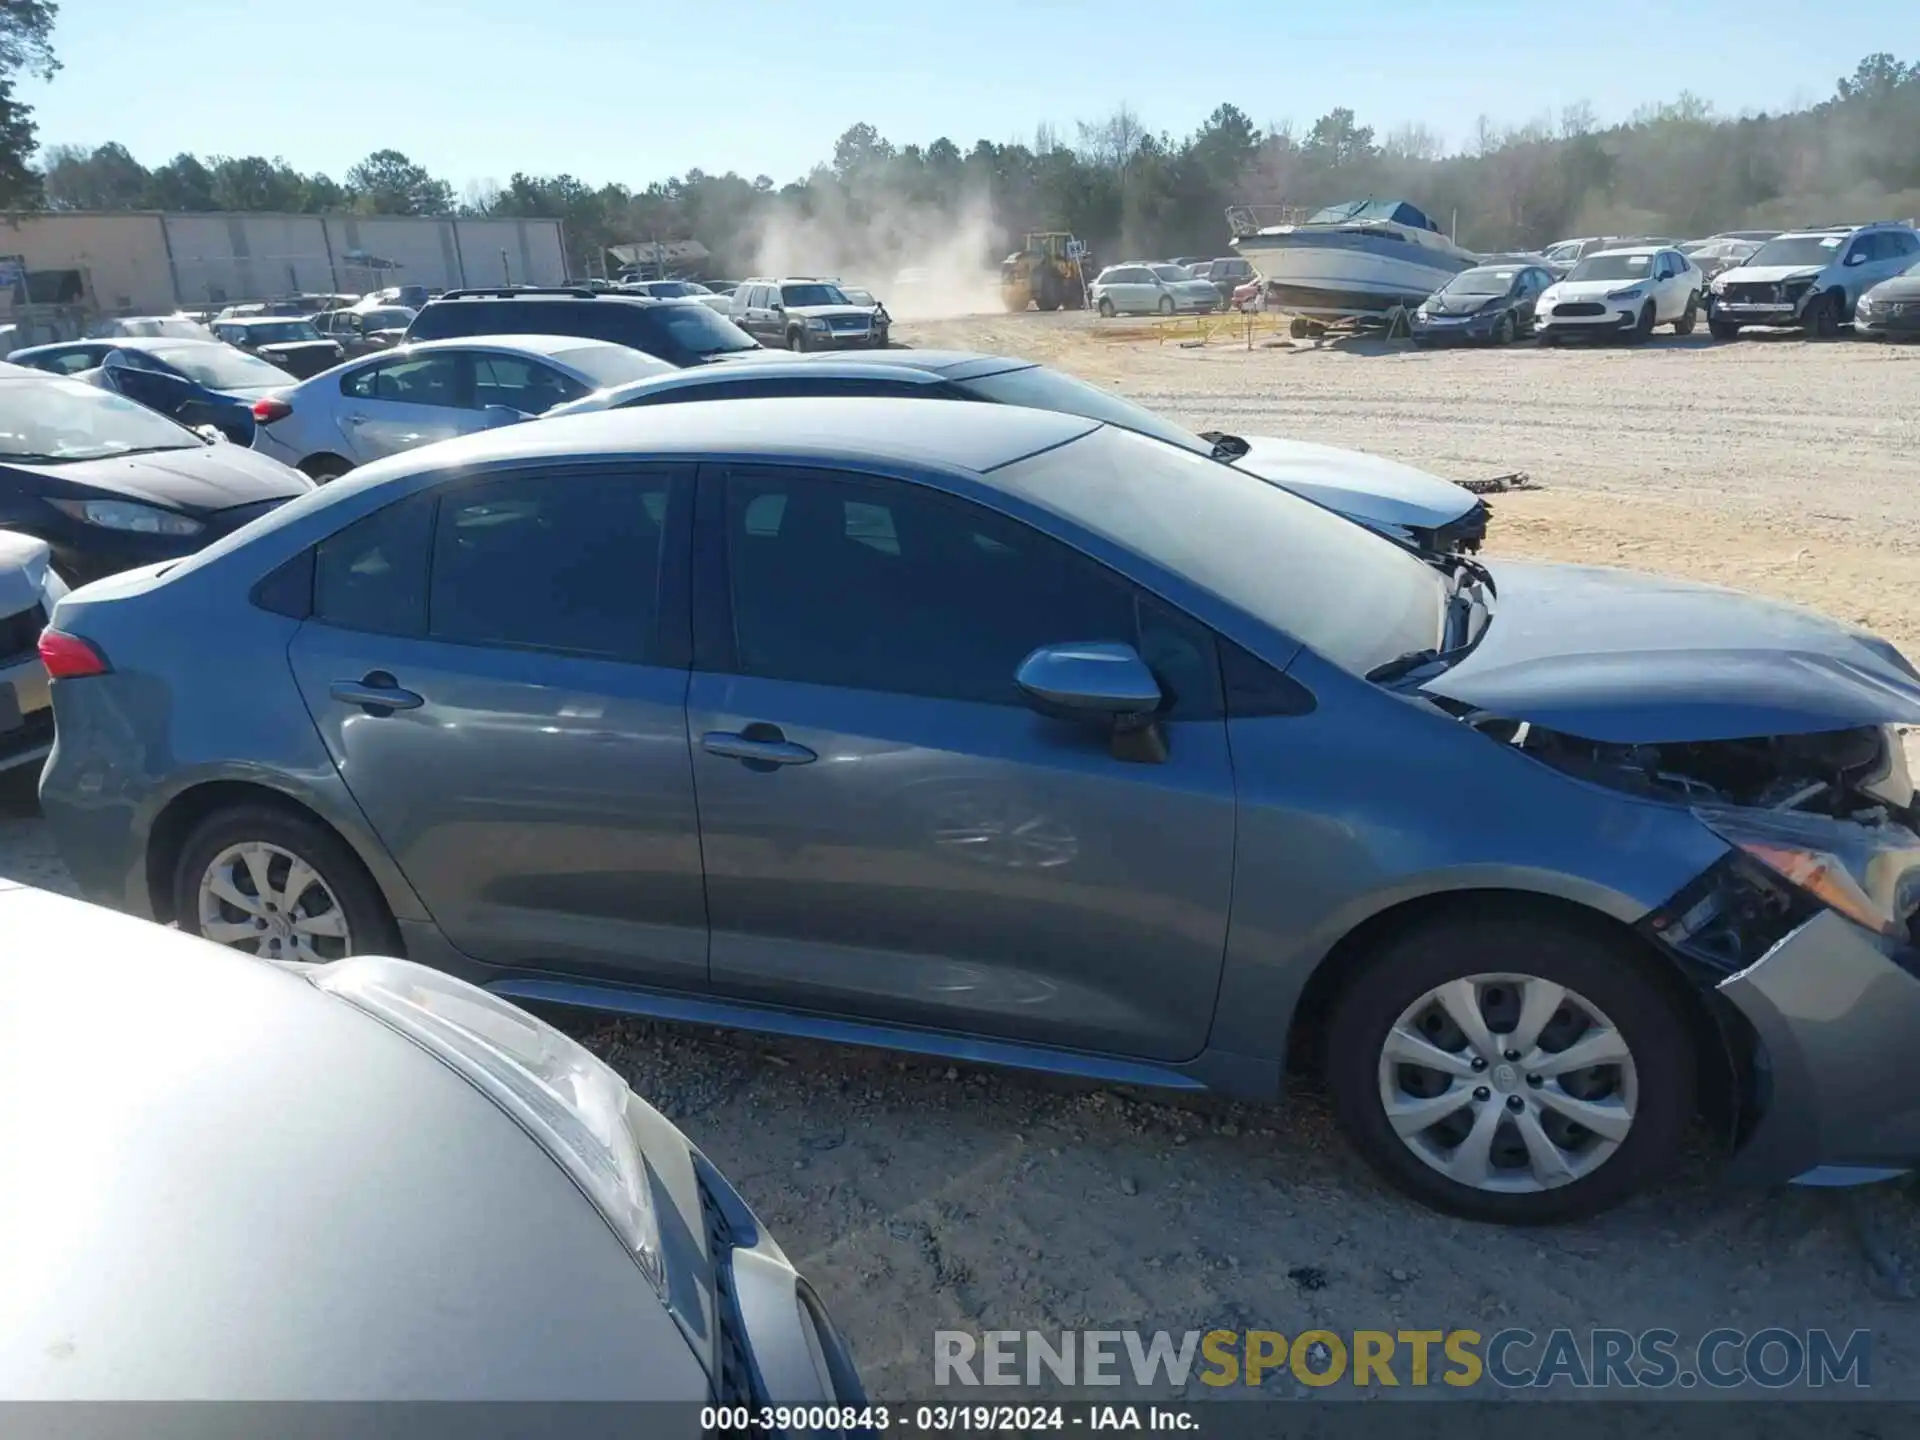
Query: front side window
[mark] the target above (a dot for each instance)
(519, 384)
(884, 586)
(568, 563)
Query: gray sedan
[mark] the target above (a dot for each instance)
(1000, 733)
(365, 1181)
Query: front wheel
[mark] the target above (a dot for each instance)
(1723, 329)
(1823, 317)
(1684, 325)
(797, 340)
(1514, 1070)
(271, 883)
(1107, 311)
(1166, 305)
(1503, 329)
(1643, 327)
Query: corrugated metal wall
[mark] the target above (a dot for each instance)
(150, 262)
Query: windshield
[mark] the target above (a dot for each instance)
(1820, 250)
(395, 318)
(1171, 272)
(1480, 282)
(282, 332)
(1038, 388)
(54, 420)
(674, 289)
(796, 297)
(1353, 597)
(221, 367)
(608, 365)
(1613, 267)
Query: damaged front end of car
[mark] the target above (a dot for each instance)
(1782, 734)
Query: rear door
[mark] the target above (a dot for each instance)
(923, 848)
(408, 401)
(499, 671)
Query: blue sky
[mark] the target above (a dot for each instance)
(632, 91)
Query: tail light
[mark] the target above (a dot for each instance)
(270, 408)
(68, 657)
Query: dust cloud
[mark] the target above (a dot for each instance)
(924, 261)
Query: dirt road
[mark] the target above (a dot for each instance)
(921, 1196)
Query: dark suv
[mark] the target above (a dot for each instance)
(680, 332)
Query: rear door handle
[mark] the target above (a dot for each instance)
(376, 692)
(764, 746)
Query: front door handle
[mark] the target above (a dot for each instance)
(376, 692)
(758, 745)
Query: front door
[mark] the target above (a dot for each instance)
(405, 402)
(889, 831)
(498, 669)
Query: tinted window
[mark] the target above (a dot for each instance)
(522, 385)
(551, 562)
(762, 388)
(71, 364)
(373, 574)
(432, 379)
(871, 585)
(682, 333)
(1903, 243)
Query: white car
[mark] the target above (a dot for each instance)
(416, 394)
(1141, 289)
(1622, 292)
(1435, 516)
(29, 589)
(1809, 278)
(357, 1180)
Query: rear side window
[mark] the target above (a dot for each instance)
(460, 318)
(567, 563)
(372, 576)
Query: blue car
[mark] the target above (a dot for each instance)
(1012, 736)
(196, 382)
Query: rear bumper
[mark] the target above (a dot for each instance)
(26, 713)
(1838, 1022)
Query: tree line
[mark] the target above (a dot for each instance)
(1677, 169)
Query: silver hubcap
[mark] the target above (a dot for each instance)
(1508, 1083)
(269, 902)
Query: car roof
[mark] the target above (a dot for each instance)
(1628, 250)
(268, 319)
(859, 430)
(531, 344)
(158, 1229)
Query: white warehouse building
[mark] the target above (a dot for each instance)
(146, 261)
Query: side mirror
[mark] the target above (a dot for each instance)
(1100, 683)
(497, 415)
(1856, 258)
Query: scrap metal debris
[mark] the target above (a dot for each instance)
(1500, 484)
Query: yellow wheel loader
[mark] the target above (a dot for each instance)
(1050, 271)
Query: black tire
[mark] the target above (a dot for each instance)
(1643, 327)
(1107, 312)
(1723, 329)
(1688, 317)
(1166, 305)
(369, 921)
(1643, 1008)
(797, 340)
(1503, 329)
(1823, 316)
(324, 468)
(1298, 328)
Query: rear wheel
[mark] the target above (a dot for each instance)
(1515, 1070)
(322, 468)
(275, 884)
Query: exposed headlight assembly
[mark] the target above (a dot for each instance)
(1870, 874)
(1631, 293)
(126, 515)
(558, 1091)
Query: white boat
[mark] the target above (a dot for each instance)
(1361, 258)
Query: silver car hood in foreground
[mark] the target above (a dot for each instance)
(1625, 658)
(1380, 493)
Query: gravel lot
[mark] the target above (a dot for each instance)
(920, 1196)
